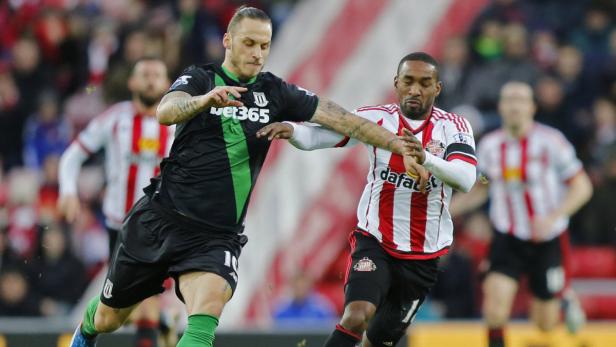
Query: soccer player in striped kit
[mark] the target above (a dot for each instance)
(134, 144)
(403, 227)
(535, 183)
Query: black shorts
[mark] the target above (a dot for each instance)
(397, 287)
(154, 246)
(540, 261)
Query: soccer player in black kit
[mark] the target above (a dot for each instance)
(189, 224)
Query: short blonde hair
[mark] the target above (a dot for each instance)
(247, 12)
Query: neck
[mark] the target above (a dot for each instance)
(143, 109)
(226, 64)
(231, 71)
(421, 117)
(520, 131)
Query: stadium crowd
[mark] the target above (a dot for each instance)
(62, 62)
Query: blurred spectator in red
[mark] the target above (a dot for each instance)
(22, 214)
(48, 192)
(544, 49)
(46, 132)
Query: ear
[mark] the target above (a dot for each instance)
(396, 81)
(226, 41)
(439, 87)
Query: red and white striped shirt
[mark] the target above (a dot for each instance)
(134, 146)
(409, 224)
(527, 177)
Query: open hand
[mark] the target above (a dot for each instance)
(542, 226)
(69, 207)
(276, 130)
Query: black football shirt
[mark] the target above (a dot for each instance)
(216, 157)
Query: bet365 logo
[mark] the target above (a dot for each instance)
(253, 114)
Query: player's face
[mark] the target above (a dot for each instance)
(149, 81)
(248, 46)
(516, 105)
(417, 86)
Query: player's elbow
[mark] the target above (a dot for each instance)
(163, 115)
(583, 187)
(466, 185)
(466, 177)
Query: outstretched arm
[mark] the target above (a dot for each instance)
(178, 106)
(332, 116)
(306, 137)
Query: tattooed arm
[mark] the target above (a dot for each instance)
(336, 118)
(178, 106)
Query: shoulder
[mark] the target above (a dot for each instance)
(549, 134)
(196, 71)
(115, 112)
(378, 111)
(268, 76)
(452, 120)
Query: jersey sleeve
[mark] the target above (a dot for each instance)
(460, 141)
(194, 81)
(564, 158)
(298, 104)
(96, 135)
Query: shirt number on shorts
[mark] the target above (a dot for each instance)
(555, 277)
(411, 314)
(230, 261)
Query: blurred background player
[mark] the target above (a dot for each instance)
(535, 183)
(134, 144)
(403, 228)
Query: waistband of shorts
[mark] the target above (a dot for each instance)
(405, 255)
(189, 224)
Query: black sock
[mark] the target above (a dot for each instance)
(147, 333)
(496, 337)
(342, 337)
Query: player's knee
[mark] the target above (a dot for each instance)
(106, 322)
(495, 315)
(546, 323)
(357, 316)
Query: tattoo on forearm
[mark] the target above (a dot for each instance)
(184, 109)
(344, 122)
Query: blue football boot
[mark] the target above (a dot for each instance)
(80, 340)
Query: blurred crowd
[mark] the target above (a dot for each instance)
(61, 63)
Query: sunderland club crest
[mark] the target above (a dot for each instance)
(435, 147)
(365, 264)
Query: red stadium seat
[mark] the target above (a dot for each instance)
(593, 262)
